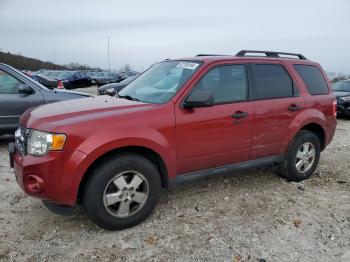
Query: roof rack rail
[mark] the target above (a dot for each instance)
(209, 55)
(270, 54)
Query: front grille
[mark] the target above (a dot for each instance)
(21, 139)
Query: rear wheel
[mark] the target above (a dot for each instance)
(122, 191)
(302, 157)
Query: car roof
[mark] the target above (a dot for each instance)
(216, 58)
(251, 55)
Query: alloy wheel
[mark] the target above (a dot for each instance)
(126, 194)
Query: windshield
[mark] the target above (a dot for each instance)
(127, 80)
(161, 82)
(342, 86)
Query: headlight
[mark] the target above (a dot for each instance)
(345, 98)
(40, 143)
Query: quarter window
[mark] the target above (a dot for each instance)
(313, 79)
(8, 84)
(272, 81)
(227, 83)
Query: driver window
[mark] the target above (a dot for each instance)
(227, 83)
(8, 84)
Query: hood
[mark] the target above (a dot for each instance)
(65, 91)
(341, 93)
(49, 117)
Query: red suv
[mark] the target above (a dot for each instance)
(180, 120)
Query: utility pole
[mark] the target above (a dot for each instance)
(54, 61)
(109, 60)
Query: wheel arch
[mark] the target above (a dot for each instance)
(148, 153)
(318, 130)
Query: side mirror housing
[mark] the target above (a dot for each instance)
(111, 92)
(25, 89)
(199, 99)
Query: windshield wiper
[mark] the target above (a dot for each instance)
(128, 97)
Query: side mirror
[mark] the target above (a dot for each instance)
(199, 99)
(25, 89)
(111, 92)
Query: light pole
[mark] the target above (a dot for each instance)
(109, 61)
(54, 61)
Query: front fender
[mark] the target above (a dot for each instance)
(101, 143)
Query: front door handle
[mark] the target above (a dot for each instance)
(239, 115)
(294, 107)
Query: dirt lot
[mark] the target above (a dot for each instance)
(246, 216)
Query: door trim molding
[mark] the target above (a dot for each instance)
(199, 174)
(10, 116)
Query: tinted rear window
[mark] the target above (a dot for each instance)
(272, 81)
(313, 79)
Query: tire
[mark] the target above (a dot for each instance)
(58, 209)
(347, 115)
(113, 179)
(291, 168)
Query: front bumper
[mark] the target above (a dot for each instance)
(54, 177)
(343, 107)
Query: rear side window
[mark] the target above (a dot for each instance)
(272, 81)
(313, 79)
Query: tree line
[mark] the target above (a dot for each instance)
(25, 63)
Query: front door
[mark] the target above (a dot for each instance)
(218, 135)
(13, 104)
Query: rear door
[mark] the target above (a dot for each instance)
(277, 103)
(84, 79)
(218, 135)
(76, 80)
(13, 104)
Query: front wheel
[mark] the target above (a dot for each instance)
(122, 191)
(302, 157)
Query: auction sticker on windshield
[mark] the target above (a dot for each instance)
(187, 65)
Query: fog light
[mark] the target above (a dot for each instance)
(34, 184)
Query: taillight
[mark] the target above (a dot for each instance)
(334, 107)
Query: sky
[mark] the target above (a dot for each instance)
(143, 32)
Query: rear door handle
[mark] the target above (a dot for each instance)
(294, 108)
(239, 115)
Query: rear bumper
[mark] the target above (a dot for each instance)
(52, 177)
(331, 127)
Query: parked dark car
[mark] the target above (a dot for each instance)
(18, 92)
(342, 92)
(45, 81)
(112, 89)
(71, 79)
(93, 75)
(103, 78)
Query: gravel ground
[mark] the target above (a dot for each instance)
(247, 216)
